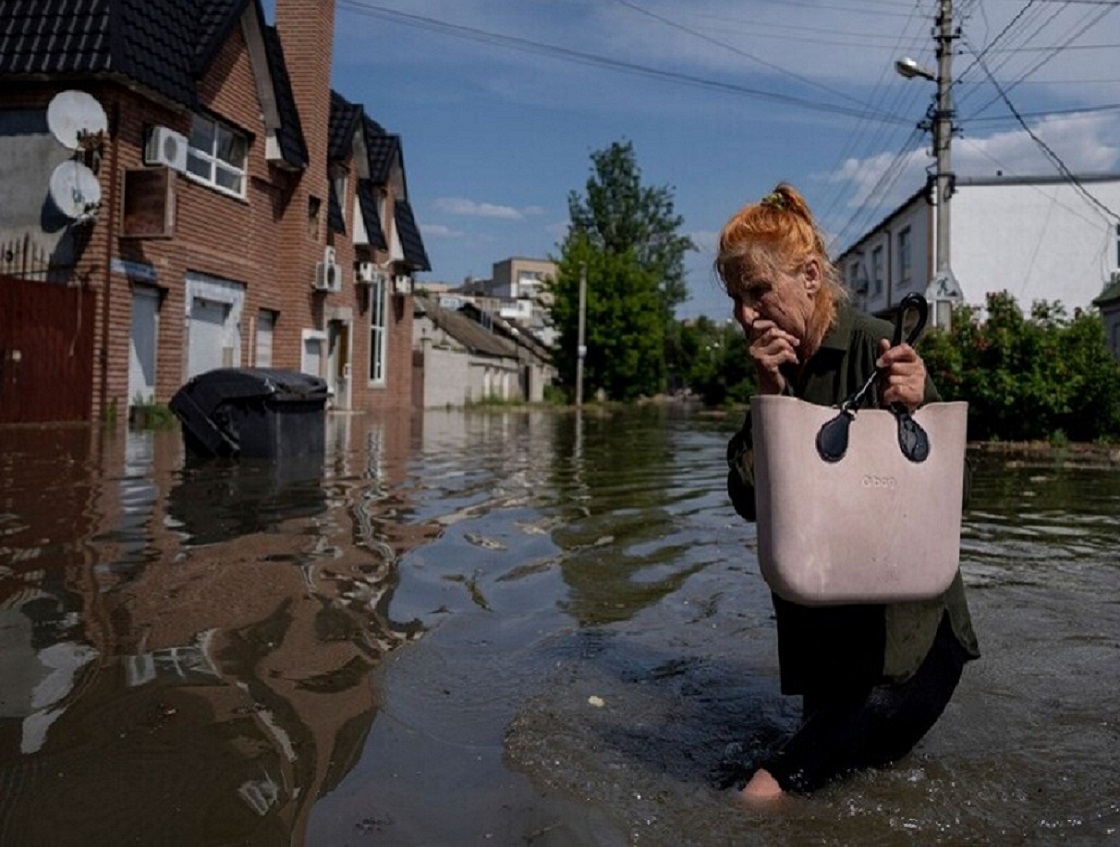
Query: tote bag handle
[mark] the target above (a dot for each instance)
(832, 439)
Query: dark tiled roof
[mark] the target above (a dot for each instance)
(467, 332)
(343, 124)
(411, 242)
(367, 202)
(164, 45)
(158, 43)
(55, 36)
(216, 20)
(382, 149)
(293, 147)
(1110, 295)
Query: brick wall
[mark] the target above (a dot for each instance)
(262, 241)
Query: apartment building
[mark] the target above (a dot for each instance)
(1039, 238)
(184, 191)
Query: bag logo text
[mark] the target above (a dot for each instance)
(873, 481)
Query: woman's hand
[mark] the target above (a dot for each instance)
(771, 347)
(905, 378)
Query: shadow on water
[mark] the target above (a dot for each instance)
(213, 654)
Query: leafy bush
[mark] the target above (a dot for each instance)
(1044, 376)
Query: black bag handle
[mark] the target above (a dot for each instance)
(832, 439)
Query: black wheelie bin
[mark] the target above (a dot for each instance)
(260, 413)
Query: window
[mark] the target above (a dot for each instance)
(266, 321)
(339, 181)
(905, 257)
(314, 205)
(378, 332)
(216, 156)
(853, 277)
(877, 270)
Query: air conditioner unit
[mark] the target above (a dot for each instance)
(402, 284)
(328, 273)
(166, 147)
(369, 274)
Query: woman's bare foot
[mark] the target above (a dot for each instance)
(762, 790)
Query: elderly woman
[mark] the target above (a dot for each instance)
(873, 678)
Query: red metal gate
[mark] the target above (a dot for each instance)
(46, 351)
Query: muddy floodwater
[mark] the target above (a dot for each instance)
(503, 628)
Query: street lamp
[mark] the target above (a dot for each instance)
(943, 289)
(909, 68)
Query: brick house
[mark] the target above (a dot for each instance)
(184, 191)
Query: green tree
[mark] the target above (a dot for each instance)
(719, 371)
(626, 236)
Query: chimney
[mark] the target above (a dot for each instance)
(306, 29)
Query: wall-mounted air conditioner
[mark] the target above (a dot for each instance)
(402, 284)
(166, 147)
(328, 273)
(368, 273)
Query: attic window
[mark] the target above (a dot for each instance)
(216, 156)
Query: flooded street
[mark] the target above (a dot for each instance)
(502, 627)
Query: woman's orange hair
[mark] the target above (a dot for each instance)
(778, 233)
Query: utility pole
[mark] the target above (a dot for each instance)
(581, 349)
(943, 132)
(942, 290)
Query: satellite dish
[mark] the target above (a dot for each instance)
(74, 189)
(72, 114)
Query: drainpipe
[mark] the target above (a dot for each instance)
(107, 283)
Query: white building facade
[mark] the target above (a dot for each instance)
(1038, 238)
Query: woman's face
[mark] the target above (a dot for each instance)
(784, 299)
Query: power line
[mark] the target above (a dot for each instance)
(1055, 159)
(696, 34)
(1087, 23)
(580, 57)
(860, 141)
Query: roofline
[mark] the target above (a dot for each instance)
(977, 182)
(1048, 179)
(882, 224)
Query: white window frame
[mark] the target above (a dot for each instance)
(378, 309)
(877, 270)
(905, 257)
(316, 335)
(213, 160)
(263, 342)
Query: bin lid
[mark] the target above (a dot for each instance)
(222, 384)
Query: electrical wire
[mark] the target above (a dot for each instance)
(1046, 59)
(737, 51)
(1054, 158)
(594, 60)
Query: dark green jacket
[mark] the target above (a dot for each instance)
(823, 649)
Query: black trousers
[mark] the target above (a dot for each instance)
(871, 728)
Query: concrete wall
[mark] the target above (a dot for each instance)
(1039, 240)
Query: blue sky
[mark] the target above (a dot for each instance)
(500, 103)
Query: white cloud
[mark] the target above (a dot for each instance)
(440, 231)
(1086, 143)
(472, 208)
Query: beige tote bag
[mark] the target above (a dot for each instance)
(870, 525)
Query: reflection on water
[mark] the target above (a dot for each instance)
(231, 653)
